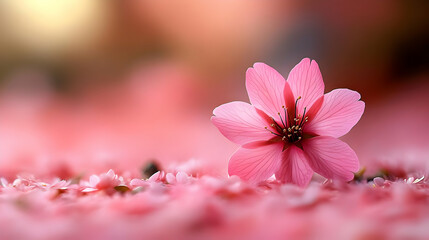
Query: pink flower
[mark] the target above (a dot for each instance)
(179, 178)
(291, 128)
(157, 177)
(106, 181)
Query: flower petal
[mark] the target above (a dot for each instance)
(240, 122)
(306, 80)
(265, 88)
(255, 164)
(340, 111)
(294, 167)
(331, 157)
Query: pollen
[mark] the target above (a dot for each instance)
(290, 127)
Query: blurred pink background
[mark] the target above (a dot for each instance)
(90, 85)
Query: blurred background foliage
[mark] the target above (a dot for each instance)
(364, 45)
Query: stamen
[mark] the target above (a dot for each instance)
(278, 128)
(281, 119)
(266, 128)
(303, 117)
(296, 104)
(286, 115)
(290, 129)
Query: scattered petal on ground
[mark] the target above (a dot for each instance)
(176, 205)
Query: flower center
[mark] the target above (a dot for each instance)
(289, 129)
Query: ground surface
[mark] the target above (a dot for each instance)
(176, 205)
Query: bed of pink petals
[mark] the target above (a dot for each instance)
(176, 205)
